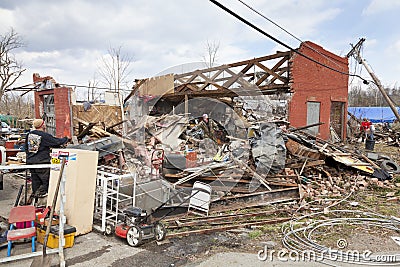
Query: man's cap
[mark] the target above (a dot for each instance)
(38, 123)
(205, 116)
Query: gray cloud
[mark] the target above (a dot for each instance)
(65, 39)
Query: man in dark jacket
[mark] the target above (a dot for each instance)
(37, 147)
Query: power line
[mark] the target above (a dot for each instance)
(23, 88)
(94, 87)
(291, 34)
(270, 20)
(280, 42)
(355, 70)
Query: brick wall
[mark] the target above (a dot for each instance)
(62, 110)
(39, 104)
(61, 106)
(312, 82)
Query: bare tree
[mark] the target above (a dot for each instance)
(16, 105)
(115, 71)
(210, 56)
(370, 96)
(355, 96)
(10, 68)
(115, 68)
(93, 83)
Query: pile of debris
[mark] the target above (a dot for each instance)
(194, 150)
(249, 159)
(387, 133)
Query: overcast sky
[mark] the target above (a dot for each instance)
(66, 39)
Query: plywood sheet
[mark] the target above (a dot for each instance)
(157, 86)
(80, 186)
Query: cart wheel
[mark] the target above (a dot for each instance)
(134, 236)
(109, 229)
(159, 231)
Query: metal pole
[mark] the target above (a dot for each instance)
(61, 239)
(355, 51)
(380, 87)
(26, 187)
(134, 189)
(104, 202)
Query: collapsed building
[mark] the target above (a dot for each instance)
(250, 99)
(285, 84)
(251, 102)
(157, 131)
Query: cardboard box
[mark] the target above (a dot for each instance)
(52, 241)
(54, 222)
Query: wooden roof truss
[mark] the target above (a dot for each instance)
(266, 75)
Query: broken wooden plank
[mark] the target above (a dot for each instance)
(283, 184)
(309, 164)
(256, 175)
(201, 170)
(265, 196)
(359, 164)
(350, 161)
(224, 228)
(210, 217)
(343, 154)
(323, 148)
(369, 161)
(197, 222)
(302, 151)
(115, 124)
(305, 127)
(97, 130)
(86, 130)
(217, 223)
(249, 205)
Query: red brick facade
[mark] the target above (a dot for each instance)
(62, 108)
(314, 83)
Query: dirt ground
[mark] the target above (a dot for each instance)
(192, 250)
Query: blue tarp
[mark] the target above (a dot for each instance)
(374, 114)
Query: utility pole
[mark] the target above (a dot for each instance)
(355, 51)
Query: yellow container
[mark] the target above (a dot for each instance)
(52, 241)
